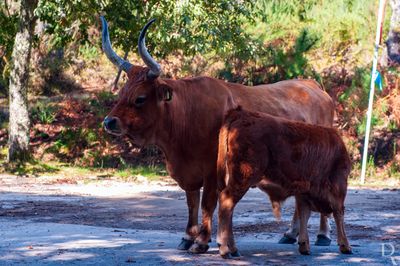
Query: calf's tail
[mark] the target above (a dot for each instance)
(222, 166)
(277, 196)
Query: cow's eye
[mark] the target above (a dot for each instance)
(140, 100)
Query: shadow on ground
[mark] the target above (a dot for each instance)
(74, 226)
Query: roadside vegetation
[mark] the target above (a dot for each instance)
(260, 42)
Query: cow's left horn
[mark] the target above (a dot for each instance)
(155, 69)
(112, 56)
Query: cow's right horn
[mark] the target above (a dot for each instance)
(155, 69)
(112, 56)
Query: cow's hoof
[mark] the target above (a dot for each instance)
(323, 240)
(345, 249)
(198, 248)
(304, 248)
(287, 240)
(185, 244)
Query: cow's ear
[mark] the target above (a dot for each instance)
(165, 93)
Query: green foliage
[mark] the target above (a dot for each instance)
(371, 168)
(101, 104)
(278, 63)
(190, 26)
(360, 86)
(68, 21)
(89, 52)
(72, 142)
(8, 30)
(361, 127)
(44, 113)
(284, 19)
(293, 63)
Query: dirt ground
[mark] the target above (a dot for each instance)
(43, 222)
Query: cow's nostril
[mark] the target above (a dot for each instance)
(110, 123)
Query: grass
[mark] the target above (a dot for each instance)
(152, 173)
(375, 177)
(36, 168)
(44, 113)
(32, 168)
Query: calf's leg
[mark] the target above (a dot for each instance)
(228, 198)
(304, 212)
(343, 243)
(192, 228)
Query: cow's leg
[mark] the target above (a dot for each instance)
(192, 228)
(304, 211)
(208, 204)
(227, 202)
(324, 233)
(323, 237)
(289, 237)
(343, 243)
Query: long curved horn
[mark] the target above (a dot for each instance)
(112, 56)
(155, 69)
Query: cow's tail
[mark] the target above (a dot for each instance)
(222, 167)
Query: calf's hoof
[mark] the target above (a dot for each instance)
(345, 249)
(236, 254)
(304, 248)
(227, 256)
(198, 248)
(185, 244)
(287, 240)
(323, 240)
(231, 255)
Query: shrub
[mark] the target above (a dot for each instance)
(44, 113)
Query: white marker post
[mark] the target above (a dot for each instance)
(372, 89)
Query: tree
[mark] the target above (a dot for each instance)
(190, 26)
(19, 118)
(393, 41)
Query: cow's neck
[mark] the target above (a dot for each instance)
(186, 141)
(181, 162)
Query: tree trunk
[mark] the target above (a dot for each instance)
(393, 41)
(19, 118)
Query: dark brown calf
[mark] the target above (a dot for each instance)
(285, 158)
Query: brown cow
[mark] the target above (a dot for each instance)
(183, 118)
(293, 158)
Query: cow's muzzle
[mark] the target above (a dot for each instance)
(112, 125)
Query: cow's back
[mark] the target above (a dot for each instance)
(300, 100)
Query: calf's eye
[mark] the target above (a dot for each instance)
(140, 100)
